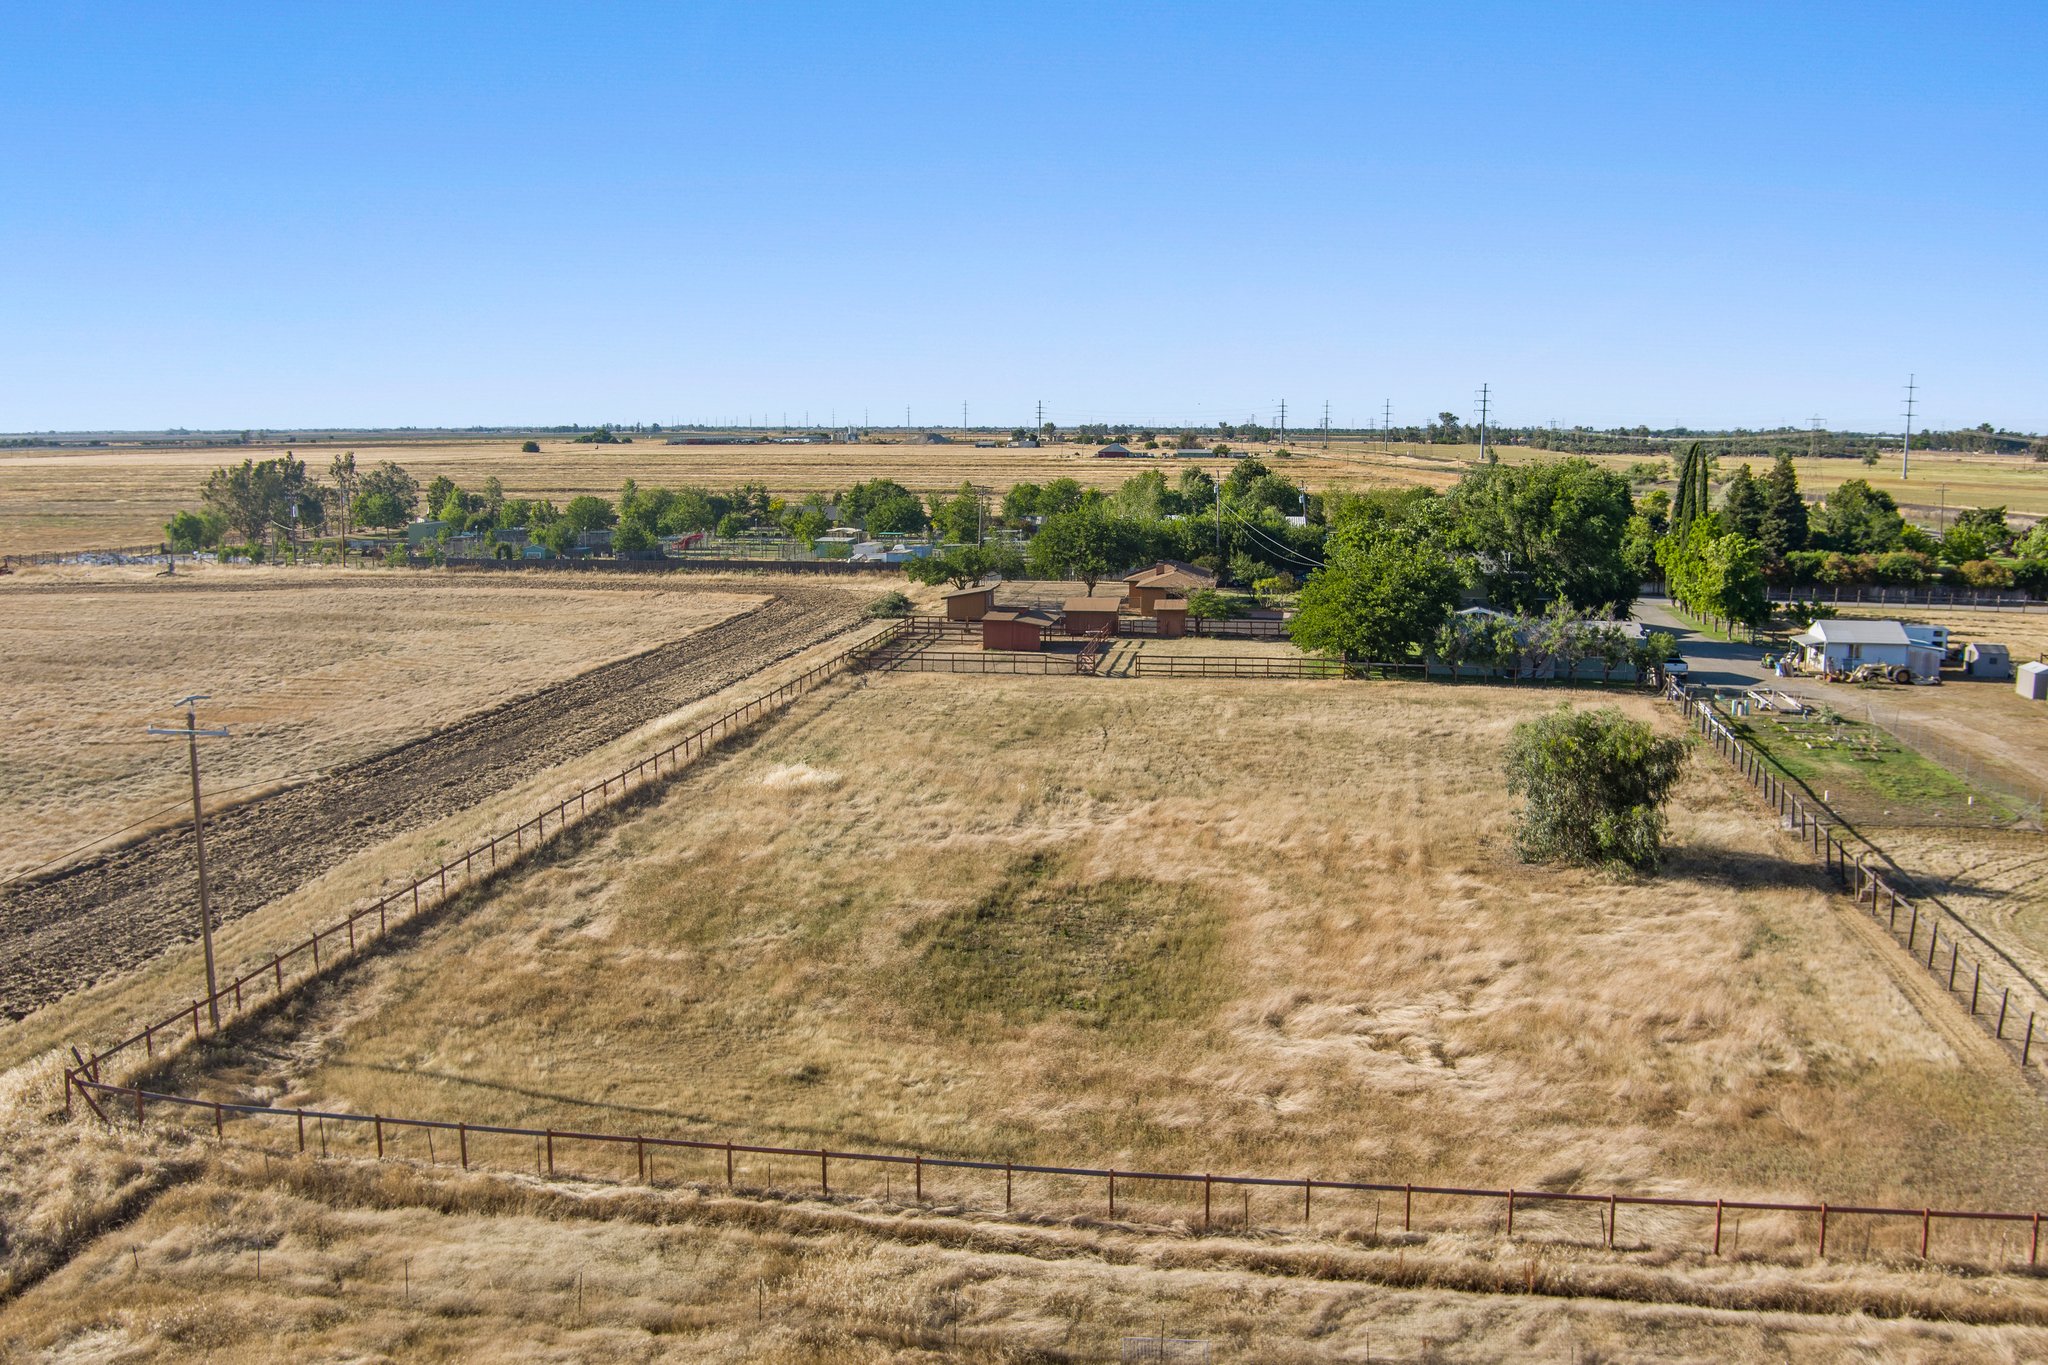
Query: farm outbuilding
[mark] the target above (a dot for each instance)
(1146, 590)
(1172, 615)
(1844, 646)
(2032, 682)
(969, 604)
(1982, 659)
(1021, 629)
(1086, 615)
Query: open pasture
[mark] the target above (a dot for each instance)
(1272, 928)
(85, 499)
(310, 670)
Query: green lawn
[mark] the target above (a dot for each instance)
(1862, 769)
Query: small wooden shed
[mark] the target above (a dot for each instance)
(969, 604)
(1086, 615)
(1020, 629)
(1172, 615)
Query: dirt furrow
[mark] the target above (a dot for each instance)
(92, 920)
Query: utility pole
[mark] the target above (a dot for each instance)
(1326, 423)
(192, 735)
(1906, 450)
(963, 416)
(1219, 526)
(1484, 395)
(1387, 425)
(906, 416)
(1041, 418)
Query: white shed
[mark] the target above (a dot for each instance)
(2033, 682)
(1841, 646)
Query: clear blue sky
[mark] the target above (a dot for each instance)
(292, 214)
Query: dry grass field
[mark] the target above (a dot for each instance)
(122, 496)
(1096, 921)
(1132, 924)
(257, 1261)
(310, 669)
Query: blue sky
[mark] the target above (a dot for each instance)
(288, 215)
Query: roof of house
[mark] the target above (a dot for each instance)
(1166, 566)
(1108, 604)
(1170, 604)
(969, 592)
(1853, 633)
(1174, 580)
(1030, 616)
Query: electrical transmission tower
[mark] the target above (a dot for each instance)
(1387, 425)
(1326, 423)
(1813, 441)
(1485, 396)
(1283, 421)
(1906, 449)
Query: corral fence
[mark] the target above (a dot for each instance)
(1675, 1222)
(1974, 971)
(348, 937)
(983, 661)
(1187, 1198)
(665, 564)
(119, 555)
(1835, 594)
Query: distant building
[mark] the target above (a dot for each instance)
(935, 438)
(419, 533)
(1116, 450)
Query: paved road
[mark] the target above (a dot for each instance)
(1714, 663)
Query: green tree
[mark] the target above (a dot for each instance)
(634, 536)
(1694, 481)
(1716, 572)
(1976, 533)
(530, 448)
(587, 512)
(1544, 530)
(1085, 543)
(965, 565)
(1742, 504)
(1593, 784)
(1382, 595)
(253, 497)
(958, 516)
(1858, 519)
(1782, 528)
(188, 532)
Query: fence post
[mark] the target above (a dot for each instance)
(2027, 1048)
(2004, 999)
(1206, 1181)
(824, 1174)
(1009, 1176)
(1610, 1222)
(1976, 981)
(1717, 1227)
(1823, 1229)
(1511, 1213)
(302, 1132)
(1408, 1210)
(462, 1141)
(377, 1122)
(1926, 1221)
(1112, 1192)
(728, 1163)
(918, 1164)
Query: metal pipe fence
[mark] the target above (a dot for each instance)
(554, 1150)
(1979, 978)
(347, 937)
(1704, 1218)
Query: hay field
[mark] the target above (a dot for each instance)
(85, 499)
(1205, 926)
(309, 669)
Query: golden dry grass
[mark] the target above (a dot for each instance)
(1270, 927)
(308, 668)
(122, 496)
(357, 1264)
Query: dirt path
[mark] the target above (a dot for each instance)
(97, 918)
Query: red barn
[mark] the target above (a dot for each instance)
(969, 604)
(1086, 615)
(1172, 615)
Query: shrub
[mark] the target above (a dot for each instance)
(1985, 573)
(530, 448)
(889, 604)
(1594, 782)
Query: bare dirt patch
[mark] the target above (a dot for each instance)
(77, 925)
